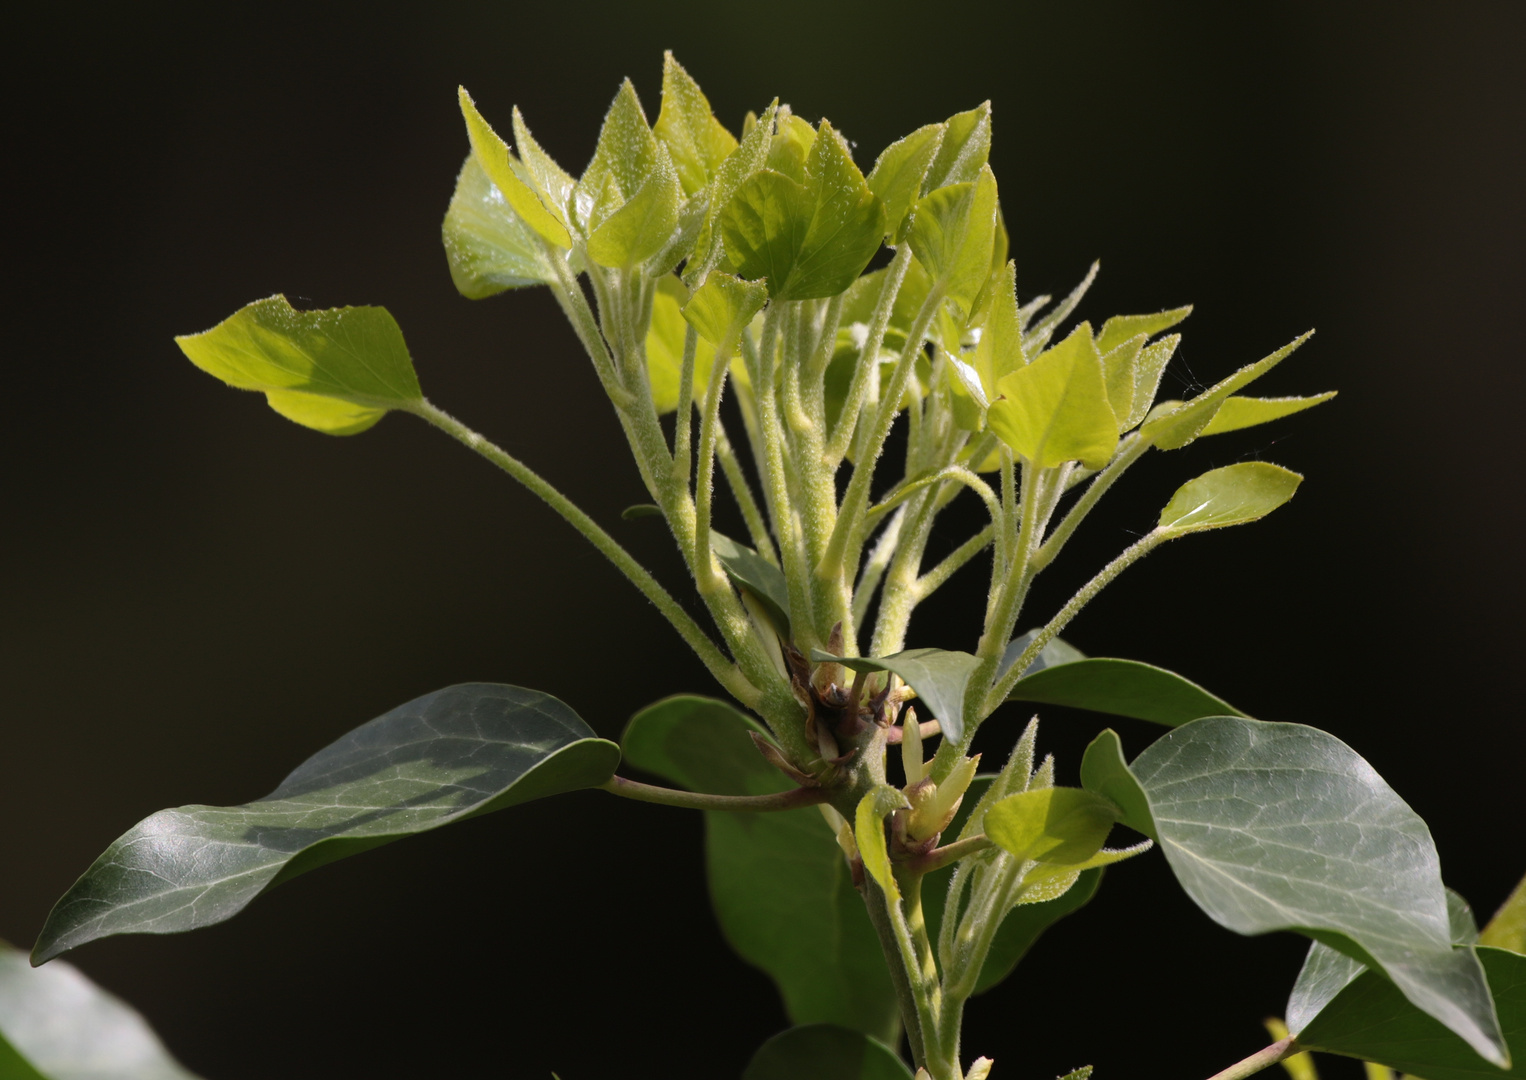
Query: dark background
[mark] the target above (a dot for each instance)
(197, 594)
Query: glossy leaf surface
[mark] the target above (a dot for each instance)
(939, 676)
(749, 570)
(337, 371)
(1056, 409)
(1121, 688)
(782, 890)
(1233, 495)
(488, 246)
(449, 755)
(1371, 1019)
(824, 1052)
(1284, 827)
(1244, 412)
(55, 1024)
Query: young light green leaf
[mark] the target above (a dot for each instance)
(1121, 688)
(1232, 495)
(952, 234)
(1120, 371)
(939, 676)
(492, 153)
(749, 570)
(722, 307)
(791, 145)
(1177, 427)
(743, 162)
(1056, 409)
(1037, 335)
(449, 755)
(809, 240)
(898, 174)
(697, 141)
(549, 180)
(869, 832)
(55, 1024)
(825, 1052)
(641, 227)
(1105, 772)
(963, 151)
(1371, 1019)
(782, 891)
(1244, 412)
(1148, 369)
(665, 347)
(999, 352)
(337, 371)
(1283, 827)
(1059, 825)
(1121, 328)
(625, 153)
(1507, 929)
(488, 246)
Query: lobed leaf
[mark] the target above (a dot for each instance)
(446, 756)
(825, 1052)
(489, 247)
(939, 676)
(55, 1024)
(1233, 495)
(1244, 412)
(1056, 409)
(782, 891)
(337, 371)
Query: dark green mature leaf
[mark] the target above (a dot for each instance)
(781, 888)
(824, 1052)
(449, 755)
(1121, 688)
(337, 371)
(1057, 651)
(1234, 495)
(1371, 1019)
(488, 246)
(55, 1024)
(1284, 827)
(939, 676)
(811, 238)
(749, 570)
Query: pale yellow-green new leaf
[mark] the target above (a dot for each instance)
(488, 246)
(642, 226)
(492, 153)
(869, 832)
(665, 347)
(697, 141)
(898, 174)
(1177, 427)
(722, 306)
(1120, 328)
(1000, 350)
(952, 234)
(1056, 409)
(1507, 929)
(552, 182)
(337, 371)
(1059, 825)
(1120, 369)
(626, 151)
(964, 149)
(1244, 412)
(1148, 369)
(1233, 495)
(749, 156)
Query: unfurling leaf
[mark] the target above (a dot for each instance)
(1000, 350)
(1176, 427)
(741, 164)
(697, 141)
(625, 157)
(898, 174)
(869, 832)
(939, 676)
(810, 237)
(488, 246)
(501, 167)
(455, 753)
(1056, 409)
(1244, 412)
(782, 892)
(1148, 369)
(1233, 495)
(1066, 826)
(337, 371)
(952, 234)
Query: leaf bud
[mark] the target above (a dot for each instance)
(911, 748)
(980, 1070)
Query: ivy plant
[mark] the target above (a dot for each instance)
(763, 313)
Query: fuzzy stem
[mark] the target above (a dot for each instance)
(848, 419)
(694, 800)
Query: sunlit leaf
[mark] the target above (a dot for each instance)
(446, 756)
(740, 164)
(723, 306)
(337, 370)
(1507, 929)
(825, 1052)
(1056, 408)
(665, 346)
(939, 676)
(1037, 334)
(791, 146)
(898, 174)
(1244, 412)
(964, 149)
(782, 890)
(488, 246)
(952, 234)
(1232, 495)
(697, 141)
(1148, 369)
(1120, 371)
(551, 182)
(1179, 426)
(1000, 350)
(1120, 328)
(641, 227)
(626, 153)
(55, 1024)
(501, 167)
(1051, 825)
(869, 831)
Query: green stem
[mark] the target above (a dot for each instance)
(741, 491)
(694, 800)
(847, 420)
(879, 906)
(724, 671)
(682, 420)
(1261, 1059)
(930, 582)
(873, 571)
(704, 488)
(1133, 449)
